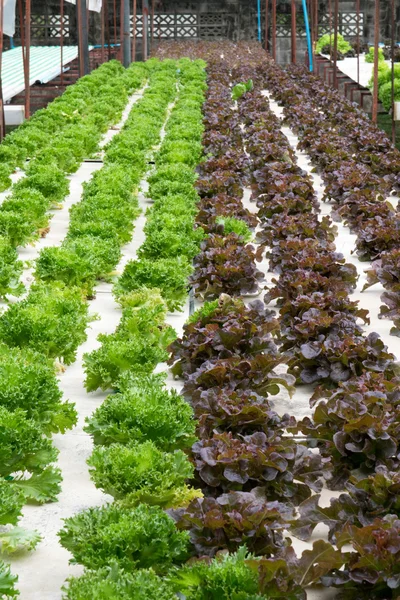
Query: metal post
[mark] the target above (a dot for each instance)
(127, 34)
(376, 63)
(152, 26)
(102, 17)
(358, 40)
(83, 46)
(121, 29)
(62, 41)
(145, 11)
(107, 22)
(115, 21)
(273, 33)
(266, 24)
(259, 20)
(393, 105)
(2, 118)
(307, 26)
(335, 43)
(293, 32)
(23, 45)
(28, 58)
(134, 30)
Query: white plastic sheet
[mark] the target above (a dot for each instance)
(94, 5)
(9, 17)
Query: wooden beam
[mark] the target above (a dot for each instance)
(294, 33)
(376, 63)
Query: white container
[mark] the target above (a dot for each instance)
(14, 114)
(397, 111)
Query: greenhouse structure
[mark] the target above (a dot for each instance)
(199, 300)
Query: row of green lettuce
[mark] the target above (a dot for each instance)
(51, 322)
(131, 548)
(67, 129)
(50, 147)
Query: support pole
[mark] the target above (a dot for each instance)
(83, 46)
(134, 30)
(102, 18)
(308, 34)
(393, 104)
(335, 43)
(61, 42)
(23, 45)
(266, 24)
(152, 26)
(273, 26)
(107, 23)
(258, 20)
(121, 29)
(2, 118)
(376, 63)
(316, 17)
(127, 34)
(115, 21)
(294, 33)
(28, 58)
(358, 40)
(145, 11)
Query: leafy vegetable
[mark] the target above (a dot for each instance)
(284, 468)
(169, 275)
(133, 538)
(241, 88)
(140, 472)
(231, 329)
(28, 382)
(139, 585)
(52, 320)
(232, 520)
(7, 582)
(144, 410)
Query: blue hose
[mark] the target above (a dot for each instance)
(309, 44)
(259, 19)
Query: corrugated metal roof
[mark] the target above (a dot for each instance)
(45, 64)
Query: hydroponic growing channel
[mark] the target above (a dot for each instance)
(199, 392)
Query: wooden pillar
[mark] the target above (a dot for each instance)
(102, 25)
(358, 40)
(61, 41)
(273, 27)
(2, 118)
(294, 33)
(28, 58)
(134, 30)
(376, 63)
(145, 11)
(335, 43)
(393, 28)
(83, 46)
(152, 26)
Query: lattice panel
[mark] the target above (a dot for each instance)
(55, 26)
(347, 25)
(139, 26)
(164, 26)
(45, 27)
(213, 25)
(186, 25)
(169, 26)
